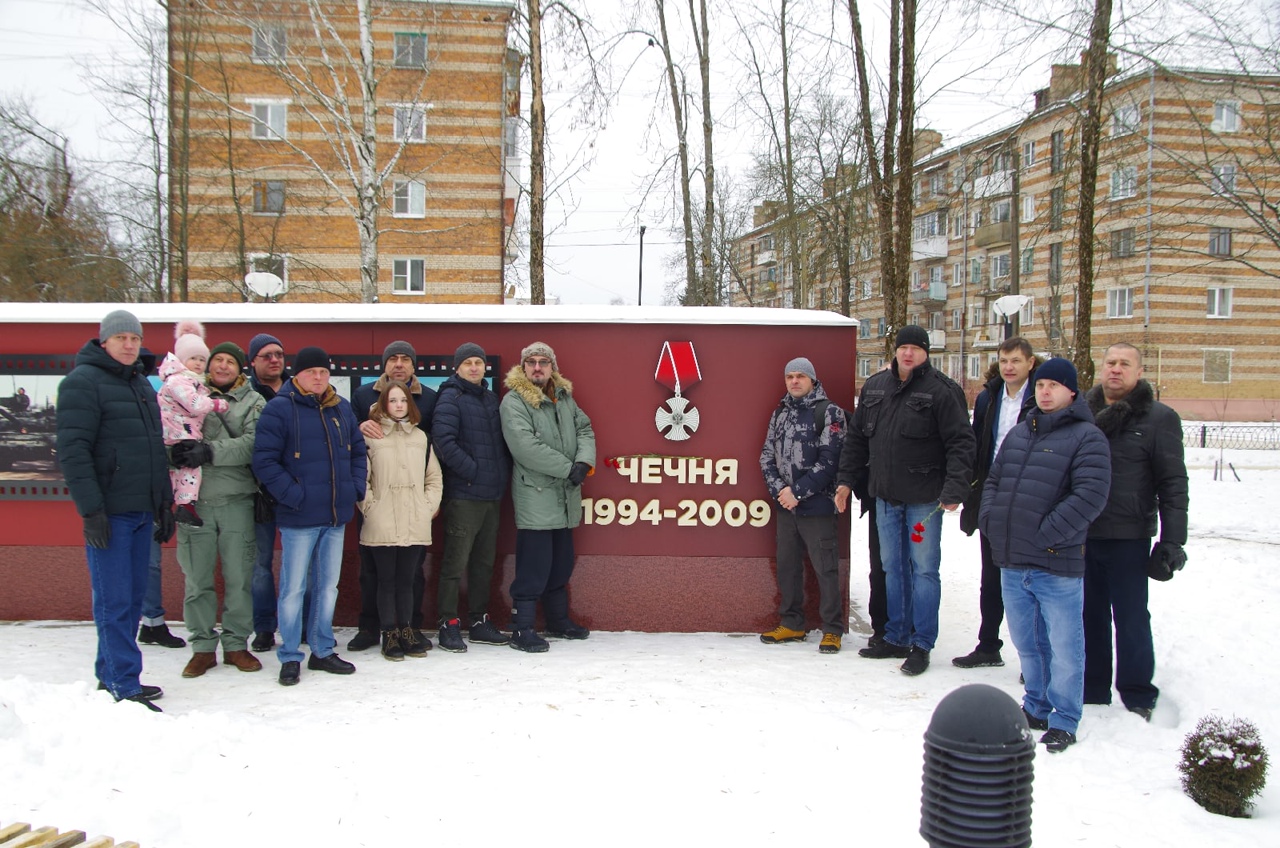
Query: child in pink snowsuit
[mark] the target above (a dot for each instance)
(184, 403)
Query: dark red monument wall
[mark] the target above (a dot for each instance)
(677, 535)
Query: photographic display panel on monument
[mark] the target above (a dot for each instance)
(677, 528)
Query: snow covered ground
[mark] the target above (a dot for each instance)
(630, 738)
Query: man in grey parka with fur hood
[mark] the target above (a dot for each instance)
(554, 449)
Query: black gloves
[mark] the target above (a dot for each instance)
(578, 473)
(165, 525)
(97, 530)
(1166, 558)
(190, 454)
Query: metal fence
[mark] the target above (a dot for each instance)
(1265, 436)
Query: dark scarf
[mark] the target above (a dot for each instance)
(1113, 418)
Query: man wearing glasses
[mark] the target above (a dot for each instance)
(266, 375)
(554, 449)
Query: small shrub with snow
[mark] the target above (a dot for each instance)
(1224, 765)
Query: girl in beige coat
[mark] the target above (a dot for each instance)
(402, 497)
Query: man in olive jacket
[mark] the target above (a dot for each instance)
(554, 448)
(113, 459)
(226, 507)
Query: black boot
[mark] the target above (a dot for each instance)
(523, 635)
(160, 635)
(391, 649)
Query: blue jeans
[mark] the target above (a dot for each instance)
(118, 575)
(913, 589)
(152, 601)
(301, 550)
(263, 585)
(1046, 625)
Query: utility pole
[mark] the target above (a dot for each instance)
(640, 286)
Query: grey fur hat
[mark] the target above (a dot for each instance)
(540, 349)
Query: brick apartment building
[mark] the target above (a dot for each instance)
(1186, 248)
(269, 154)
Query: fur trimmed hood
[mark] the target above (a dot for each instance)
(517, 382)
(1112, 418)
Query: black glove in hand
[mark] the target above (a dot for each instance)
(1166, 558)
(165, 526)
(97, 530)
(190, 454)
(578, 473)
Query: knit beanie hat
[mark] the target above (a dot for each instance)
(1060, 371)
(540, 349)
(258, 342)
(913, 335)
(465, 351)
(189, 342)
(119, 321)
(230, 348)
(802, 365)
(399, 348)
(311, 357)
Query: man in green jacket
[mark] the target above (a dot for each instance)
(226, 507)
(113, 459)
(554, 449)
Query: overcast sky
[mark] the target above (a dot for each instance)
(593, 249)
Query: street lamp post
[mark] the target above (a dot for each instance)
(640, 287)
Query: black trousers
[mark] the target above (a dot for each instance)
(395, 567)
(990, 600)
(370, 619)
(1115, 589)
(877, 603)
(819, 536)
(544, 564)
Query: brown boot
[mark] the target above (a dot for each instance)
(242, 660)
(200, 663)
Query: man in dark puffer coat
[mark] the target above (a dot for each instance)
(467, 431)
(1047, 483)
(1149, 478)
(115, 465)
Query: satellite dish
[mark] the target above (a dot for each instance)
(264, 284)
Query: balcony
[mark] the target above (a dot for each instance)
(937, 339)
(993, 185)
(766, 257)
(986, 338)
(930, 247)
(1001, 233)
(994, 286)
(934, 292)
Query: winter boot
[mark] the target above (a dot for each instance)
(413, 643)
(483, 632)
(450, 637)
(160, 635)
(391, 649)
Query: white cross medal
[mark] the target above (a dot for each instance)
(677, 370)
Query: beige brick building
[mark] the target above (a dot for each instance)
(274, 169)
(1186, 241)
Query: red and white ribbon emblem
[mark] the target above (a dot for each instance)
(677, 370)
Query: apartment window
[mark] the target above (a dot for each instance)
(270, 263)
(1057, 202)
(410, 123)
(915, 281)
(1028, 260)
(866, 289)
(408, 276)
(864, 366)
(1124, 182)
(766, 242)
(1028, 154)
(957, 274)
(1055, 264)
(880, 329)
(269, 44)
(1217, 365)
(976, 364)
(978, 218)
(1125, 120)
(510, 136)
(977, 315)
(1224, 179)
(268, 197)
(938, 182)
(957, 226)
(1028, 208)
(937, 320)
(957, 319)
(1000, 162)
(1120, 303)
(1055, 317)
(410, 199)
(1226, 116)
(935, 275)
(1000, 212)
(411, 50)
(1122, 243)
(999, 266)
(1028, 313)
(1219, 241)
(270, 121)
(1219, 302)
(975, 271)
(926, 226)
(1055, 152)
(864, 328)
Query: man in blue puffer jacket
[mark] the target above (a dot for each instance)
(799, 460)
(467, 431)
(1046, 486)
(311, 457)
